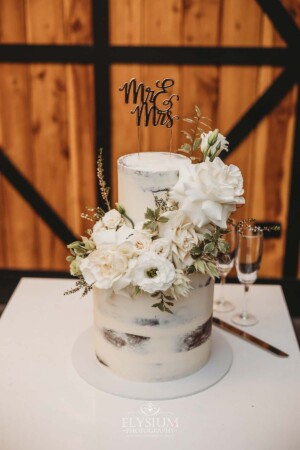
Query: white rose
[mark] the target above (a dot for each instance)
(102, 236)
(183, 236)
(153, 273)
(107, 268)
(161, 246)
(112, 219)
(99, 226)
(141, 242)
(209, 192)
(185, 239)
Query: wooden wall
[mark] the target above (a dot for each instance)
(47, 111)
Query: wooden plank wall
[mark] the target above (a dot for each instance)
(223, 94)
(47, 129)
(47, 111)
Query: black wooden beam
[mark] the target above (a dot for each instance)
(282, 22)
(35, 199)
(261, 108)
(85, 54)
(290, 267)
(60, 54)
(248, 56)
(102, 84)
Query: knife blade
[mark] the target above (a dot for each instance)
(248, 337)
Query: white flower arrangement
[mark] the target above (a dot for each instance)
(182, 235)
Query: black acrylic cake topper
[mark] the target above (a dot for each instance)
(153, 107)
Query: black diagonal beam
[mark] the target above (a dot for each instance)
(290, 266)
(261, 108)
(282, 21)
(35, 200)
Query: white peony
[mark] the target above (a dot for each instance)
(153, 273)
(161, 246)
(209, 192)
(108, 268)
(102, 236)
(112, 219)
(141, 242)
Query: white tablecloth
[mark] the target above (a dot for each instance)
(45, 405)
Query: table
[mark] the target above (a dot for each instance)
(46, 405)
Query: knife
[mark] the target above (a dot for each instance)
(248, 337)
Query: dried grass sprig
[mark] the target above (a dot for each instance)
(104, 189)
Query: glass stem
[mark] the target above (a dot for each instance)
(222, 285)
(246, 296)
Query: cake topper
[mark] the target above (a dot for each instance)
(153, 107)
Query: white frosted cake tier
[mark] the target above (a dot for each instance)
(143, 175)
(142, 343)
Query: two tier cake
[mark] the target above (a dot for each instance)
(151, 258)
(151, 262)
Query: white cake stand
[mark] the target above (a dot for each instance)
(101, 377)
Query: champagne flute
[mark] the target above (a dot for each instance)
(247, 262)
(224, 266)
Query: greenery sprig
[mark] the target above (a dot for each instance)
(208, 252)
(164, 301)
(194, 137)
(153, 217)
(80, 285)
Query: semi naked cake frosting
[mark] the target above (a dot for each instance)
(132, 338)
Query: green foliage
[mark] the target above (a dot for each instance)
(81, 284)
(194, 136)
(208, 252)
(164, 301)
(153, 218)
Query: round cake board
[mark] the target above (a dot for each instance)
(96, 374)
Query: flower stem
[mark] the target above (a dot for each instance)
(128, 218)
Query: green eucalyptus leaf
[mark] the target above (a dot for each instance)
(212, 269)
(208, 248)
(198, 111)
(163, 219)
(223, 246)
(196, 144)
(200, 266)
(149, 214)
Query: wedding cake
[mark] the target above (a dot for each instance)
(151, 259)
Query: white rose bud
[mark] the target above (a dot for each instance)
(161, 246)
(112, 219)
(141, 242)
